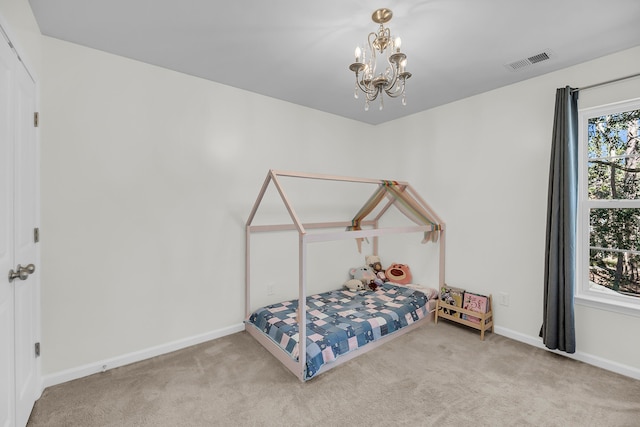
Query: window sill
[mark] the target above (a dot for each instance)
(594, 300)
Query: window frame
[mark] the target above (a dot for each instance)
(584, 294)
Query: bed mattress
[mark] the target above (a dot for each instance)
(340, 321)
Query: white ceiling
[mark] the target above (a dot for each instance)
(299, 50)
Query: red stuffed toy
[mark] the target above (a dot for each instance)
(399, 273)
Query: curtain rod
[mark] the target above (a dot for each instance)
(606, 83)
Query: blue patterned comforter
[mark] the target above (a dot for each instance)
(340, 321)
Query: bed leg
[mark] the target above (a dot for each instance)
(435, 315)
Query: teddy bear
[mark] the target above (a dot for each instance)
(373, 261)
(366, 275)
(354, 285)
(399, 273)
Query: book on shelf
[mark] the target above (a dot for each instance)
(452, 296)
(475, 302)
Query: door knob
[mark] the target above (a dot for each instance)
(21, 272)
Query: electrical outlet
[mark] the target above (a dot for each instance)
(504, 299)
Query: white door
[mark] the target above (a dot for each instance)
(19, 216)
(25, 221)
(7, 368)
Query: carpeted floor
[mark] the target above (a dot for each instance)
(437, 375)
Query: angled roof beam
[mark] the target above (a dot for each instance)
(285, 199)
(263, 190)
(272, 176)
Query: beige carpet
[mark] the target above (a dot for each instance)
(437, 375)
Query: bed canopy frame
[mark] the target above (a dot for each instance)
(387, 194)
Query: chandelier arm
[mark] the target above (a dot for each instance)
(394, 93)
(394, 77)
(362, 87)
(371, 93)
(393, 89)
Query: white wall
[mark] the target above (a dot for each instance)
(148, 176)
(484, 163)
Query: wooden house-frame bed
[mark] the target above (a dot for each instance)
(387, 194)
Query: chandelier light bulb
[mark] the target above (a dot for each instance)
(358, 52)
(397, 43)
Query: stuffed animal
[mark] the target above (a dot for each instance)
(446, 298)
(365, 274)
(399, 273)
(373, 261)
(354, 285)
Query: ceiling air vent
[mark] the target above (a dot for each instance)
(524, 63)
(538, 58)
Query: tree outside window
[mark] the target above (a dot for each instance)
(613, 202)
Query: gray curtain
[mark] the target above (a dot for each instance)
(558, 328)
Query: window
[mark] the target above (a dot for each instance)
(609, 207)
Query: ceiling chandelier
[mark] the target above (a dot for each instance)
(392, 78)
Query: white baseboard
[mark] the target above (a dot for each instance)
(618, 368)
(137, 356)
